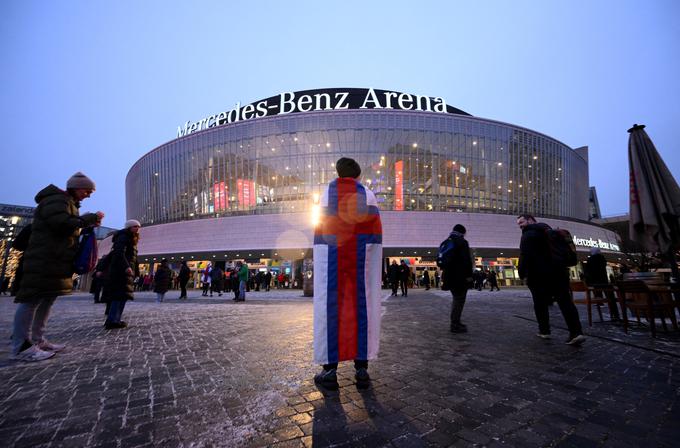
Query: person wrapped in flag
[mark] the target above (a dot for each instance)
(347, 277)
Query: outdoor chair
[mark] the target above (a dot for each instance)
(588, 299)
(654, 301)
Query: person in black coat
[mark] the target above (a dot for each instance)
(426, 279)
(393, 276)
(596, 275)
(546, 281)
(268, 280)
(493, 280)
(183, 277)
(404, 277)
(122, 270)
(162, 280)
(216, 281)
(457, 276)
(99, 278)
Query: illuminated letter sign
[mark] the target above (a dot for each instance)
(320, 100)
(590, 242)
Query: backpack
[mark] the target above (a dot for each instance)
(86, 255)
(562, 248)
(445, 253)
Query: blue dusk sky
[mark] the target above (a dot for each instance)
(93, 85)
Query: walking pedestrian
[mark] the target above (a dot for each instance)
(216, 280)
(347, 277)
(122, 270)
(242, 280)
(48, 264)
(206, 279)
(393, 276)
(456, 263)
(426, 279)
(596, 275)
(268, 280)
(546, 281)
(233, 279)
(404, 277)
(183, 277)
(493, 280)
(99, 278)
(162, 280)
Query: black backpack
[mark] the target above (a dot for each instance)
(446, 249)
(562, 248)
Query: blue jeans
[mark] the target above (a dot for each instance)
(30, 317)
(116, 311)
(242, 290)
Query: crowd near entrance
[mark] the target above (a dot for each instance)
(263, 274)
(266, 274)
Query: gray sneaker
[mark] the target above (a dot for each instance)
(576, 339)
(32, 354)
(327, 379)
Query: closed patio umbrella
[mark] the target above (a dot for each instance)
(654, 198)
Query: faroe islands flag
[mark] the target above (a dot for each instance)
(347, 274)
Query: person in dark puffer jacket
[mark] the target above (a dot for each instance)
(162, 280)
(122, 271)
(458, 276)
(48, 264)
(546, 281)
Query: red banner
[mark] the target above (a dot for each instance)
(399, 185)
(246, 192)
(220, 196)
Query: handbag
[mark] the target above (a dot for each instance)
(86, 255)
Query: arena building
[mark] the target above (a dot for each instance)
(242, 183)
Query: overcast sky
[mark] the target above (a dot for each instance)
(94, 85)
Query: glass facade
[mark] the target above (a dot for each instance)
(413, 161)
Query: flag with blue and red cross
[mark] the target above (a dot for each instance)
(347, 274)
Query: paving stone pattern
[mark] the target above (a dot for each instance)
(209, 372)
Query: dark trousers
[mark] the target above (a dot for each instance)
(459, 294)
(544, 292)
(613, 304)
(358, 364)
(183, 287)
(116, 311)
(404, 287)
(395, 287)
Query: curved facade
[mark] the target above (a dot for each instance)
(239, 185)
(413, 161)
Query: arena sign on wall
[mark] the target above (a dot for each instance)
(321, 100)
(590, 242)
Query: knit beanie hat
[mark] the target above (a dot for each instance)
(347, 167)
(79, 180)
(132, 223)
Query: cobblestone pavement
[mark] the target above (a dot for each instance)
(211, 372)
